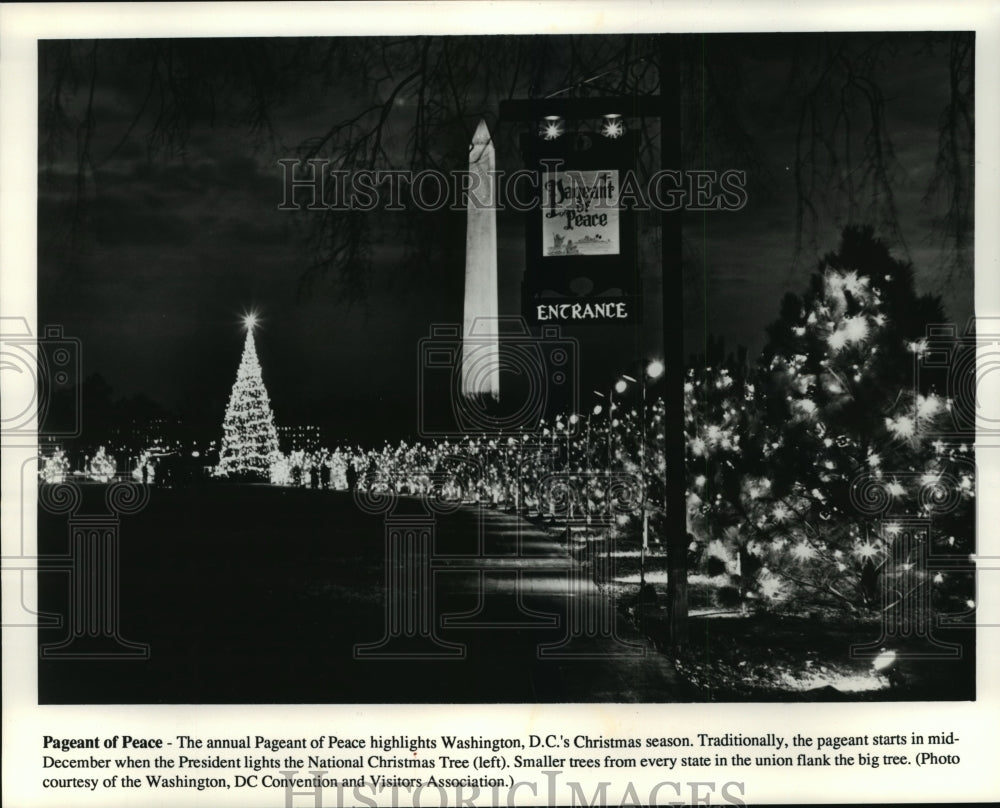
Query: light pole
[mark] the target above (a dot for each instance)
(653, 371)
(622, 384)
(509, 475)
(619, 387)
(666, 106)
(573, 420)
(597, 411)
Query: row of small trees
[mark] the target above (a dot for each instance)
(801, 469)
(784, 457)
(55, 467)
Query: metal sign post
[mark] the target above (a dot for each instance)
(665, 106)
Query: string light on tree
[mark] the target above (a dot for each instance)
(249, 437)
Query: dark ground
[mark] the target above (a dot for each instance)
(254, 594)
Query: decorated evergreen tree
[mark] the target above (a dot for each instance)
(102, 466)
(249, 437)
(55, 467)
(774, 460)
(838, 400)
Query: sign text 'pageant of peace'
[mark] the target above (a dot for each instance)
(580, 213)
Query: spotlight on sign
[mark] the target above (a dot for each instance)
(551, 127)
(613, 126)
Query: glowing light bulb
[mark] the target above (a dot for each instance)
(551, 127)
(613, 126)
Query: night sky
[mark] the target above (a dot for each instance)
(173, 245)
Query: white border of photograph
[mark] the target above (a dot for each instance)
(25, 723)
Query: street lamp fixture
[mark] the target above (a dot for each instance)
(613, 126)
(551, 127)
(654, 370)
(598, 408)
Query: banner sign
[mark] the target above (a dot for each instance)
(580, 241)
(580, 213)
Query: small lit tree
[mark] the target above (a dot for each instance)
(55, 467)
(102, 466)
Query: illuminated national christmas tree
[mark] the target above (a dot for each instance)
(249, 437)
